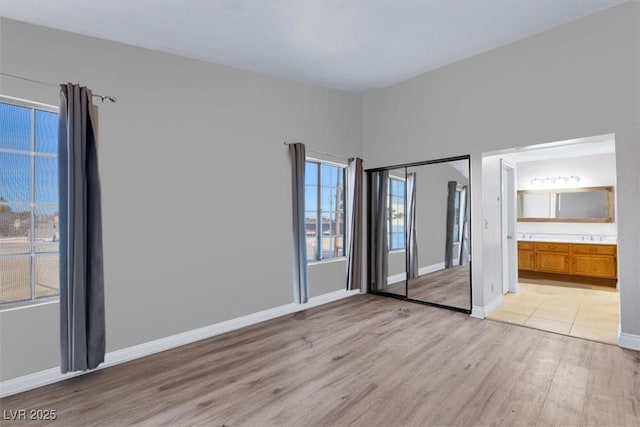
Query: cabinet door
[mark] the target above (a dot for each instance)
(526, 260)
(594, 265)
(550, 262)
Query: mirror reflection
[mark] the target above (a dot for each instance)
(387, 192)
(438, 233)
(587, 204)
(419, 233)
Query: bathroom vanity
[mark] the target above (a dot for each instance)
(569, 257)
(595, 260)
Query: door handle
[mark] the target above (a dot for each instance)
(509, 237)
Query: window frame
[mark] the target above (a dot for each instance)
(33, 205)
(319, 162)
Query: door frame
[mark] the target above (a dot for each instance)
(508, 242)
(369, 212)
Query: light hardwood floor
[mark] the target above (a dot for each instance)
(450, 286)
(363, 361)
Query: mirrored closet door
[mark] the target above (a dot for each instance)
(419, 232)
(387, 189)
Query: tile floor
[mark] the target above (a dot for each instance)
(583, 311)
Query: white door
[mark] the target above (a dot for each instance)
(509, 245)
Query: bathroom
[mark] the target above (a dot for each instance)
(563, 241)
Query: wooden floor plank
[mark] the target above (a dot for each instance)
(362, 361)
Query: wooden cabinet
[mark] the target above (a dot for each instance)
(552, 258)
(526, 260)
(550, 262)
(583, 259)
(526, 256)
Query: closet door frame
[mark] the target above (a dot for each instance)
(370, 287)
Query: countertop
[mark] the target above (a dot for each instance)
(567, 238)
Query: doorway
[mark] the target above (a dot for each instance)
(558, 234)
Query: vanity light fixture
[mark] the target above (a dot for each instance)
(567, 179)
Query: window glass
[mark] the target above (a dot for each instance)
(29, 236)
(15, 132)
(396, 213)
(324, 210)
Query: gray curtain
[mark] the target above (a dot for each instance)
(380, 223)
(412, 244)
(463, 239)
(451, 211)
(82, 320)
(300, 281)
(354, 220)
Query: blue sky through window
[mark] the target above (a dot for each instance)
(15, 127)
(15, 166)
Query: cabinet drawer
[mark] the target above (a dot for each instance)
(553, 247)
(594, 249)
(525, 246)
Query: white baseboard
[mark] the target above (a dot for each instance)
(396, 278)
(630, 341)
(480, 312)
(431, 268)
(401, 277)
(49, 376)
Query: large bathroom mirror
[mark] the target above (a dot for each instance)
(587, 204)
(419, 232)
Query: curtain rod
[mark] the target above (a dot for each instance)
(102, 97)
(322, 152)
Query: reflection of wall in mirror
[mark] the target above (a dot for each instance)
(536, 205)
(431, 208)
(582, 205)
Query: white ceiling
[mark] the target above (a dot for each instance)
(352, 45)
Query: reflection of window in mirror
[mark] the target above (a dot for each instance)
(396, 214)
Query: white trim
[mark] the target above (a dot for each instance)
(396, 278)
(480, 312)
(421, 271)
(21, 305)
(49, 376)
(327, 162)
(431, 268)
(326, 261)
(28, 104)
(630, 341)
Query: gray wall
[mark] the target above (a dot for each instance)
(196, 185)
(577, 80)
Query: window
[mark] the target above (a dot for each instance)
(324, 210)
(396, 214)
(28, 201)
